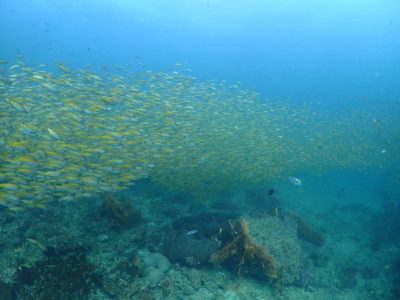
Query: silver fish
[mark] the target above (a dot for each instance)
(191, 232)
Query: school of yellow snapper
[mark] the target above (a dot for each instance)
(71, 134)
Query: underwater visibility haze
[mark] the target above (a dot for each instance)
(199, 149)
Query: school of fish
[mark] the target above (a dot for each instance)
(70, 134)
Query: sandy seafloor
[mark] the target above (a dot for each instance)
(127, 258)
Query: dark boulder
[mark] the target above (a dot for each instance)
(188, 250)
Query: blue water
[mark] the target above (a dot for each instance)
(343, 55)
(309, 50)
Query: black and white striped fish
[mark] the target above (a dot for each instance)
(296, 181)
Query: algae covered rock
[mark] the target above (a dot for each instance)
(306, 232)
(63, 273)
(245, 252)
(279, 238)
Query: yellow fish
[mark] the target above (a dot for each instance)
(9, 186)
(61, 67)
(54, 134)
(33, 241)
(15, 208)
(17, 106)
(276, 211)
